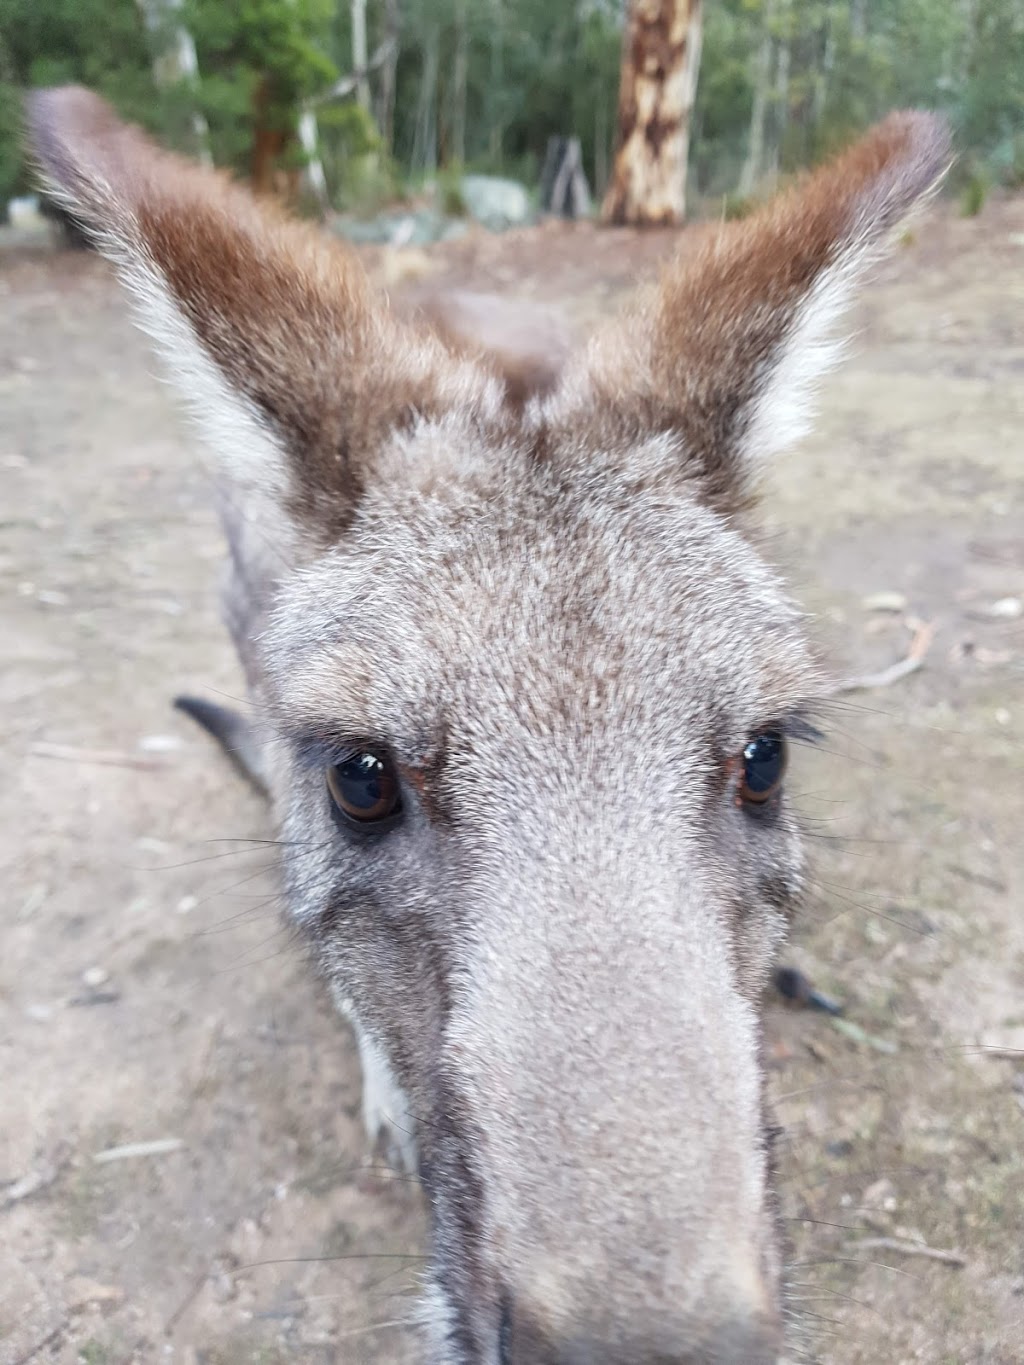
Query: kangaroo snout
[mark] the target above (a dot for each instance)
(742, 1337)
(612, 1116)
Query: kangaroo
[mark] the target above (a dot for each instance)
(522, 689)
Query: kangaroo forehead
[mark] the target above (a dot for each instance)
(592, 564)
(591, 622)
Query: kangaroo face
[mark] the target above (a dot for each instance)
(557, 904)
(523, 691)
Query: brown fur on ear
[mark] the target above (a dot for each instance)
(282, 315)
(725, 352)
(524, 344)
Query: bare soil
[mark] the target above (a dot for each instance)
(149, 992)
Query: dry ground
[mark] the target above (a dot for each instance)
(147, 991)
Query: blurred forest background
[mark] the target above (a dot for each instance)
(365, 102)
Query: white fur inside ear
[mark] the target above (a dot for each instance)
(784, 409)
(249, 454)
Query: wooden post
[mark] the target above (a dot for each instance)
(563, 183)
(660, 60)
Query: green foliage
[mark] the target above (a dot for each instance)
(482, 84)
(449, 192)
(12, 168)
(362, 176)
(974, 193)
(736, 206)
(259, 61)
(100, 43)
(93, 1352)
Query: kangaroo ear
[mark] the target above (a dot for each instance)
(271, 329)
(725, 354)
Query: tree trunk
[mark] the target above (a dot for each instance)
(824, 76)
(460, 68)
(780, 95)
(751, 172)
(268, 142)
(601, 122)
(660, 60)
(359, 53)
(176, 60)
(313, 177)
(389, 75)
(424, 146)
(496, 131)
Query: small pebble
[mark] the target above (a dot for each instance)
(884, 601)
(1007, 608)
(94, 976)
(159, 744)
(186, 905)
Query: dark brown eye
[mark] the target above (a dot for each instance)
(364, 788)
(762, 767)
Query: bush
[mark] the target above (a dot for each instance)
(736, 206)
(974, 194)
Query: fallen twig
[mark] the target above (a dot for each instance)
(919, 647)
(856, 1034)
(903, 1248)
(48, 1340)
(114, 758)
(186, 1302)
(158, 1147)
(28, 1185)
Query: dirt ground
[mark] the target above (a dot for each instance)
(147, 990)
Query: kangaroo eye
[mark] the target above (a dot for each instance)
(763, 767)
(364, 788)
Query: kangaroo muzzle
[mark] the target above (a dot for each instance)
(607, 1072)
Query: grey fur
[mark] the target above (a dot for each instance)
(554, 615)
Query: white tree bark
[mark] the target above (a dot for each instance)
(314, 180)
(176, 60)
(751, 172)
(780, 95)
(359, 53)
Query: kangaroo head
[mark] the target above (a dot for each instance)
(525, 686)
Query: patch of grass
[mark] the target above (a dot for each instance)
(449, 193)
(736, 206)
(79, 1204)
(93, 1352)
(974, 194)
